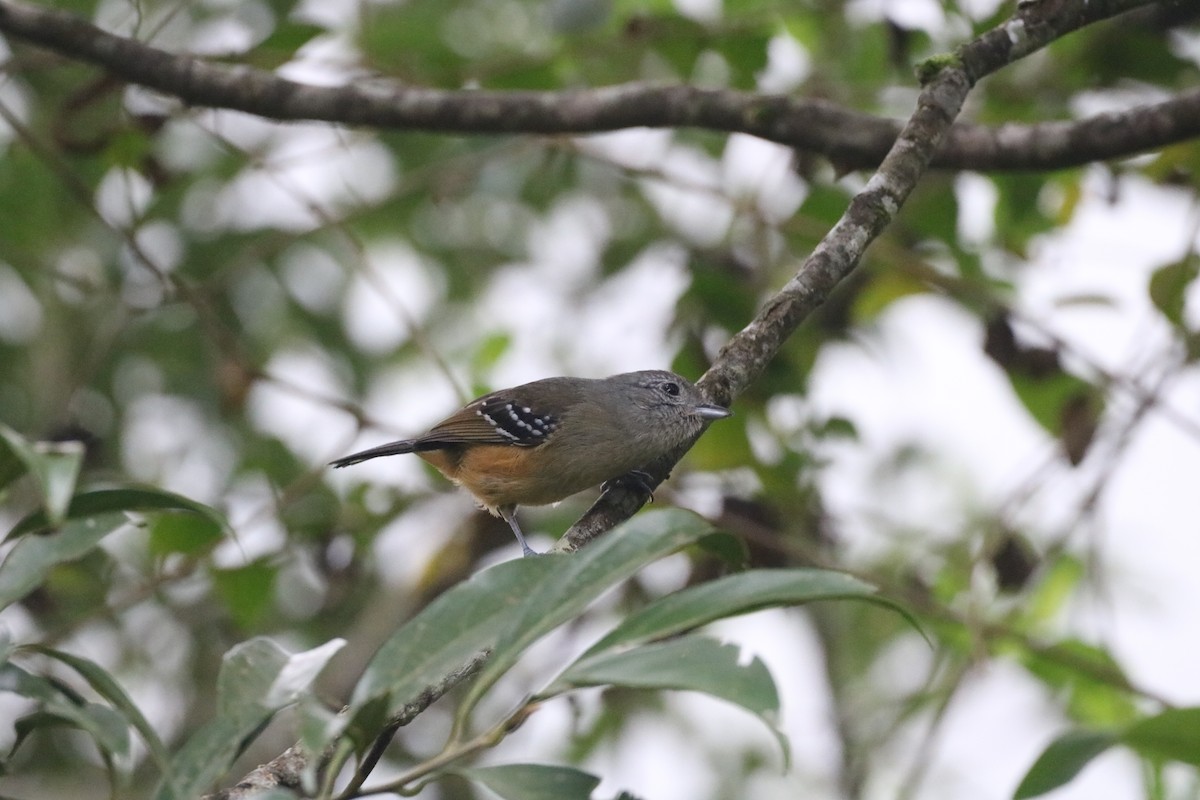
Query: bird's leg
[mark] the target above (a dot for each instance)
(636, 479)
(509, 513)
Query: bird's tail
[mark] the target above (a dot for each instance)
(390, 449)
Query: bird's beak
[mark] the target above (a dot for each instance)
(710, 411)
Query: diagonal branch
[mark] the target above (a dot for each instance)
(287, 769)
(950, 79)
(852, 139)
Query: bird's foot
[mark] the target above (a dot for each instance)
(637, 479)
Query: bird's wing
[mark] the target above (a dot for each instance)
(499, 418)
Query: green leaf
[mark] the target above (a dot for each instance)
(58, 705)
(12, 466)
(1062, 760)
(1054, 590)
(534, 781)
(489, 351)
(128, 148)
(20, 682)
(456, 626)
(733, 595)
(30, 723)
(1019, 215)
(1096, 690)
(204, 758)
(677, 40)
(107, 687)
(745, 51)
(633, 8)
(696, 663)
(317, 725)
(576, 581)
(189, 534)
(55, 466)
(106, 728)
(1169, 287)
(884, 289)
(257, 678)
(261, 673)
(1172, 735)
(730, 550)
(89, 517)
(247, 590)
(28, 563)
(692, 663)
(281, 8)
(408, 40)
(104, 501)
(281, 46)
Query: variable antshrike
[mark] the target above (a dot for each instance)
(540, 442)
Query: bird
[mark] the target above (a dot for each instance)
(543, 441)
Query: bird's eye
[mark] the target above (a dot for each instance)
(671, 388)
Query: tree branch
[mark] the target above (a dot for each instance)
(287, 768)
(950, 79)
(851, 139)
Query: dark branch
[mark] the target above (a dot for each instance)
(287, 769)
(851, 139)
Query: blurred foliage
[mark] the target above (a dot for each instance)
(198, 310)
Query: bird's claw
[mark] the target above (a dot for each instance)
(635, 479)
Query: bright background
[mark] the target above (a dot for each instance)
(397, 274)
